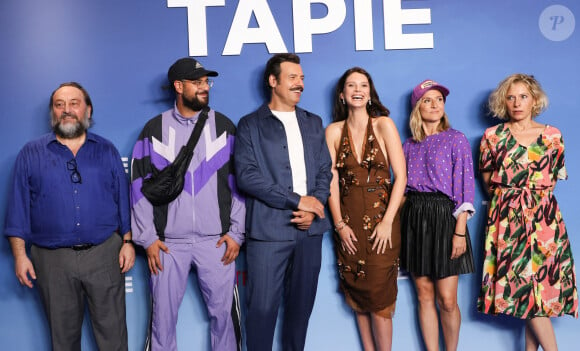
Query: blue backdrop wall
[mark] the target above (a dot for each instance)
(121, 50)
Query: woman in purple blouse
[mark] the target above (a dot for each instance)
(435, 246)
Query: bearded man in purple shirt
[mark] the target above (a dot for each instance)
(204, 226)
(70, 200)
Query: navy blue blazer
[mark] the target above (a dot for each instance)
(264, 174)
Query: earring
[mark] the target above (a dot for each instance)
(342, 100)
(370, 103)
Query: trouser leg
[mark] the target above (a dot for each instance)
(167, 290)
(266, 264)
(61, 295)
(216, 282)
(104, 285)
(301, 286)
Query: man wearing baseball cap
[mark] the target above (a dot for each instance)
(204, 226)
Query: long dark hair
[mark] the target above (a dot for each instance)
(340, 110)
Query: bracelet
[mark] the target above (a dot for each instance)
(460, 235)
(338, 227)
(127, 241)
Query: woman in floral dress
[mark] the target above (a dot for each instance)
(364, 145)
(528, 271)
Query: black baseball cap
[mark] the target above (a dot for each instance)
(188, 68)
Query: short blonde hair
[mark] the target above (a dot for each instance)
(416, 123)
(497, 99)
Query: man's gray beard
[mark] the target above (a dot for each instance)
(71, 130)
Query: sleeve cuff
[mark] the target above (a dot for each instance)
(465, 207)
(237, 237)
(293, 200)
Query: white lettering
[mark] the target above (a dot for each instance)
(305, 25)
(267, 31)
(363, 25)
(395, 18)
(196, 22)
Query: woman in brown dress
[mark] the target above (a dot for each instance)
(365, 146)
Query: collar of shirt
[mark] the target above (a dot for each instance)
(184, 120)
(51, 139)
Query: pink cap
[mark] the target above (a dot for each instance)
(424, 87)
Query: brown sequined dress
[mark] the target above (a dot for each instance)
(368, 279)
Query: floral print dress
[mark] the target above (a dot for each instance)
(528, 269)
(368, 279)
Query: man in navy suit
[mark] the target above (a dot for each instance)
(283, 166)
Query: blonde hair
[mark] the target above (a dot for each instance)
(416, 123)
(497, 99)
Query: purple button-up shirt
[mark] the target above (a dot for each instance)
(442, 162)
(50, 207)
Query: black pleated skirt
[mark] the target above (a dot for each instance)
(427, 227)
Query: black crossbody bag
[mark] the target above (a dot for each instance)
(165, 186)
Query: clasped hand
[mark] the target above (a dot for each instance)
(311, 204)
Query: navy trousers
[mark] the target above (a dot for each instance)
(280, 270)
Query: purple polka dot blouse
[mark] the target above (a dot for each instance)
(442, 162)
